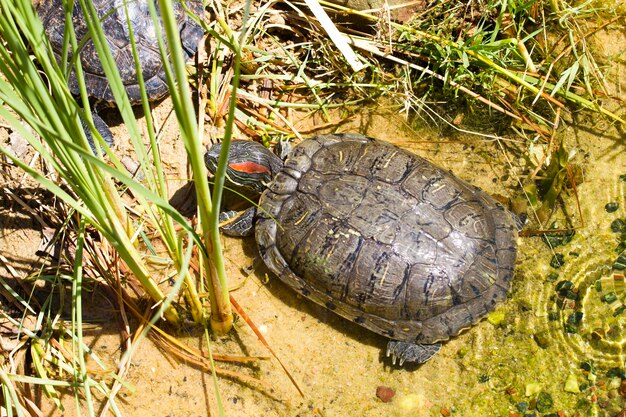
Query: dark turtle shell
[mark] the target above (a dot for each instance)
(385, 238)
(115, 27)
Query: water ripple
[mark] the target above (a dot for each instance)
(585, 308)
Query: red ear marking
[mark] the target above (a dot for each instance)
(249, 167)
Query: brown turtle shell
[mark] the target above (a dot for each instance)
(385, 238)
(115, 27)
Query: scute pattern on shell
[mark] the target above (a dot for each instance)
(116, 30)
(385, 238)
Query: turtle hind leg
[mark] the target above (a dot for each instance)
(411, 352)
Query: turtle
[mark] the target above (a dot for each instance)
(115, 27)
(376, 234)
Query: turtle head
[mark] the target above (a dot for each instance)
(251, 166)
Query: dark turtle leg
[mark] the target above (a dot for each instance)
(411, 352)
(102, 128)
(238, 224)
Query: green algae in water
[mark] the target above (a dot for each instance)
(564, 285)
(588, 366)
(552, 276)
(557, 261)
(544, 402)
(496, 318)
(609, 298)
(616, 373)
(559, 236)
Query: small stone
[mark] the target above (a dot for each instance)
(611, 207)
(445, 411)
(622, 388)
(18, 145)
(571, 384)
(385, 394)
(609, 297)
(544, 402)
(618, 226)
(532, 388)
(620, 262)
(558, 259)
(575, 318)
(603, 403)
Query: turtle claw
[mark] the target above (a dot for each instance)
(410, 352)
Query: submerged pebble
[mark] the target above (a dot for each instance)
(532, 388)
(558, 259)
(611, 207)
(618, 226)
(609, 297)
(544, 401)
(620, 262)
(571, 384)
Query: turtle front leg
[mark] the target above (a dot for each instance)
(410, 352)
(238, 224)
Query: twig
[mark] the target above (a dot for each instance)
(335, 35)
